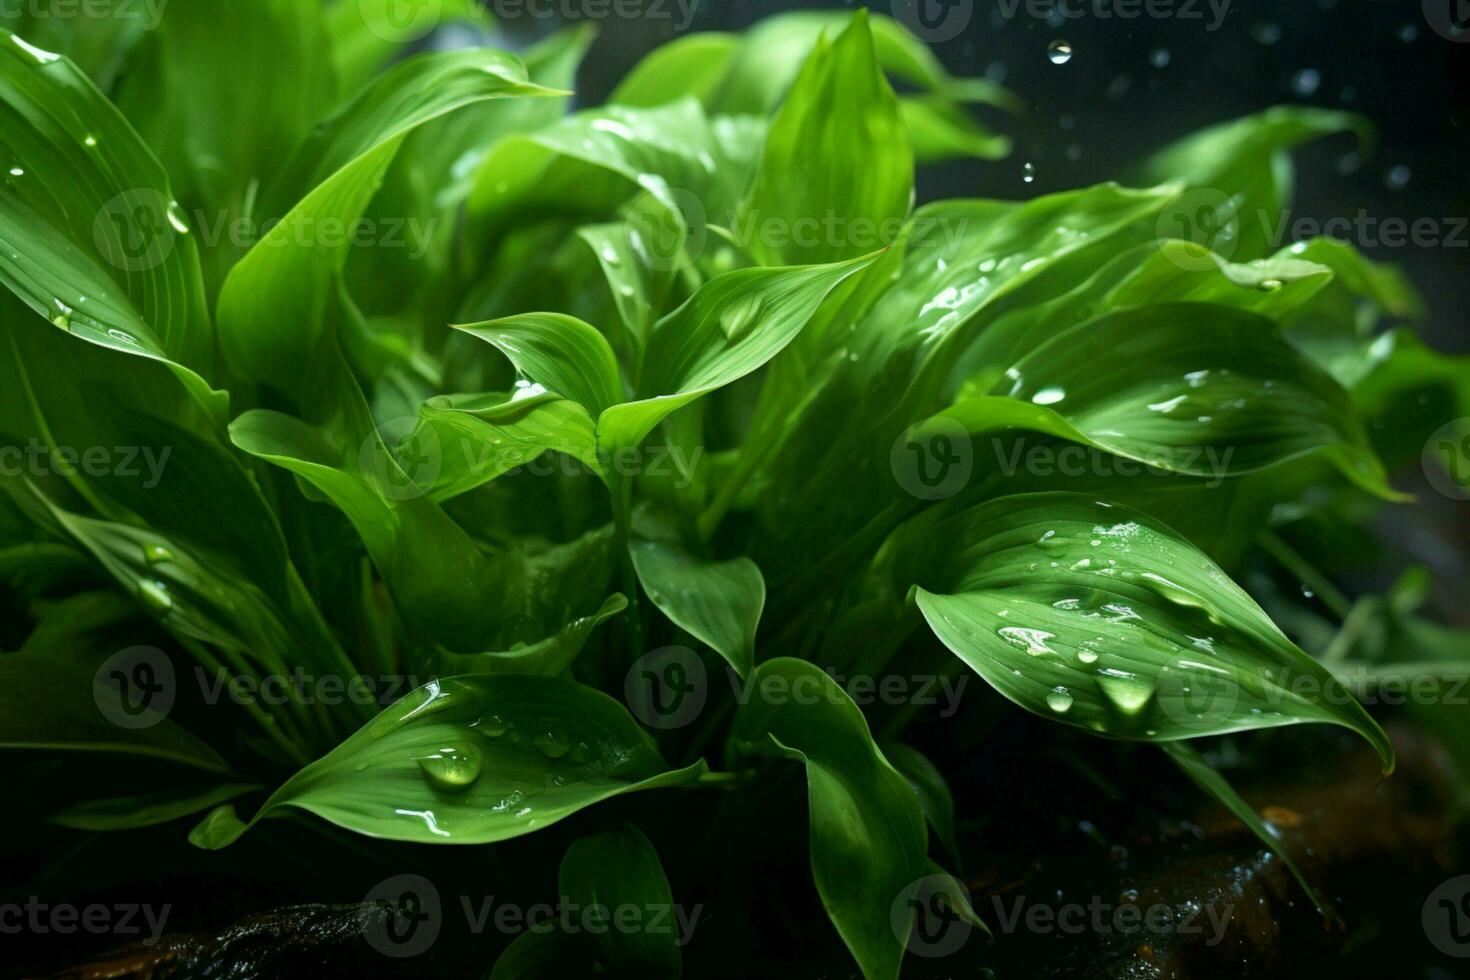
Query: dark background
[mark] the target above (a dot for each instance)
(1093, 117)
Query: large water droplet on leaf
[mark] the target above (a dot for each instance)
(453, 769)
(1129, 693)
(737, 318)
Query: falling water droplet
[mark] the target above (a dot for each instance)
(740, 316)
(1306, 82)
(1159, 57)
(1059, 699)
(1059, 52)
(1028, 172)
(1266, 33)
(1049, 395)
(1408, 32)
(1397, 178)
(453, 769)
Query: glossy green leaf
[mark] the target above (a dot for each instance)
(563, 354)
(718, 602)
(131, 812)
(1097, 616)
(472, 760)
(930, 787)
(867, 832)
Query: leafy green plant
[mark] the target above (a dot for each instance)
(712, 381)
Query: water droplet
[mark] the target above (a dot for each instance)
(551, 745)
(1270, 285)
(17, 171)
(453, 769)
(90, 140)
(154, 595)
(1059, 52)
(1128, 692)
(1306, 82)
(1087, 656)
(1031, 640)
(1307, 591)
(737, 318)
(1397, 178)
(1266, 33)
(156, 554)
(1159, 57)
(1028, 172)
(1049, 395)
(1059, 699)
(1408, 32)
(62, 318)
(492, 726)
(610, 255)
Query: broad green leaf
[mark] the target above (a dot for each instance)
(1097, 616)
(90, 234)
(472, 760)
(868, 839)
(101, 43)
(1192, 388)
(563, 354)
(731, 326)
(273, 304)
(620, 869)
(840, 109)
(693, 65)
(550, 656)
(366, 34)
(940, 130)
(718, 602)
(547, 955)
(48, 704)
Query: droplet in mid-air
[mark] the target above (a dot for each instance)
(1059, 52)
(1028, 172)
(1159, 57)
(1306, 82)
(1397, 178)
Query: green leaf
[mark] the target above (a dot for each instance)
(619, 869)
(1097, 616)
(730, 327)
(147, 810)
(929, 786)
(565, 355)
(940, 131)
(868, 839)
(692, 65)
(365, 36)
(840, 109)
(1191, 388)
(472, 760)
(91, 237)
(718, 602)
(273, 305)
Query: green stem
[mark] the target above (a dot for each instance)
(1293, 562)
